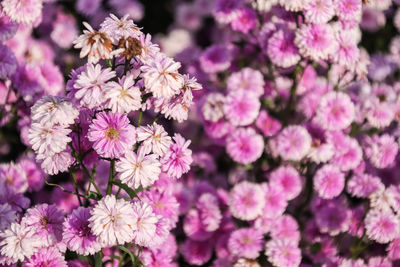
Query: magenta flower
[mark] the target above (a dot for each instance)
(329, 181)
(248, 80)
(77, 234)
(288, 180)
(382, 226)
(176, 161)
(275, 201)
(246, 201)
(267, 125)
(246, 243)
(111, 134)
(381, 150)
(46, 257)
(286, 228)
(216, 58)
(244, 145)
(196, 252)
(241, 108)
(8, 28)
(281, 48)
(282, 253)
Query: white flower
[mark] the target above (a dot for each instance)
(145, 227)
(155, 139)
(50, 110)
(123, 96)
(112, 221)
(18, 242)
(137, 169)
(117, 28)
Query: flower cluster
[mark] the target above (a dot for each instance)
(98, 126)
(297, 165)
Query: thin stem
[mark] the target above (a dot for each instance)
(110, 177)
(157, 117)
(63, 189)
(140, 117)
(76, 187)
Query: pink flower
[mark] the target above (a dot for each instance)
(348, 9)
(210, 213)
(335, 111)
(244, 145)
(77, 234)
(123, 96)
(215, 58)
(46, 221)
(246, 201)
(241, 108)
(382, 226)
(161, 76)
(248, 80)
(111, 134)
(333, 217)
(348, 153)
(329, 181)
(288, 180)
(117, 28)
(246, 243)
(283, 253)
(46, 256)
(56, 163)
(8, 62)
(112, 221)
(363, 185)
(212, 106)
(381, 150)
(193, 227)
(286, 228)
(139, 169)
(23, 11)
(281, 48)
(346, 53)
(267, 125)
(293, 5)
(292, 143)
(275, 201)
(245, 20)
(316, 41)
(154, 139)
(13, 178)
(90, 83)
(144, 223)
(319, 11)
(393, 249)
(195, 252)
(176, 161)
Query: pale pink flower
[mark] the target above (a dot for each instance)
(176, 161)
(381, 226)
(292, 143)
(319, 11)
(248, 80)
(154, 139)
(329, 181)
(117, 28)
(246, 201)
(241, 108)
(144, 223)
(212, 107)
(246, 243)
(288, 180)
(381, 150)
(283, 253)
(23, 11)
(244, 145)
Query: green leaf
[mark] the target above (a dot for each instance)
(132, 193)
(126, 250)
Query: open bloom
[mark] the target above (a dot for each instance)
(382, 226)
(117, 28)
(241, 108)
(23, 11)
(138, 169)
(246, 201)
(111, 134)
(50, 256)
(144, 226)
(244, 145)
(246, 243)
(283, 253)
(176, 161)
(161, 76)
(329, 181)
(112, 221)
(96, 45)
(155, 139)
(292, 143)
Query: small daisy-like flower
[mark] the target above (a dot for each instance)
(293, 5)
(111, 134)
(117, 28)
(381, 150)
(348, 153)
(346, 52)
(210, 214)
(246, 243)
(382, 226)
(286, 227)
(46, 257)
(275, 201)
(319, 11)
(149, 49)
(8, 62)
(245, 20)
(293, 143)
(176, 161)
(77, 234)
(154, 139)
(348, 9)
(48, 140)
(246, 201)
(381, 199)
(329, 181)
(23, 11)
(90, 84)
(96, 45)
(123, 96)
(248, 80)
(18, 242)
(267, 125)
(196, 252)
(46, 221)
(378, 114)
(138, 169)
(316, 41)
(333, 218)
(335, 111)
(288, 179)
(241, 108)
(193, 227)
(144, 226)
(281, 48)
(215, 59)
(161, 76)
(51, 110)
(58, 162)
(363, 185)
(13, 178)
(282, 253)
(112, 221)
(244, 145)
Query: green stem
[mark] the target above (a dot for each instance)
(76, 187)
(140, 117)
(110, 177)
(98, 259)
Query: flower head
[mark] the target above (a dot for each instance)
(246, 201)
(244, 145)
(176, 161)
